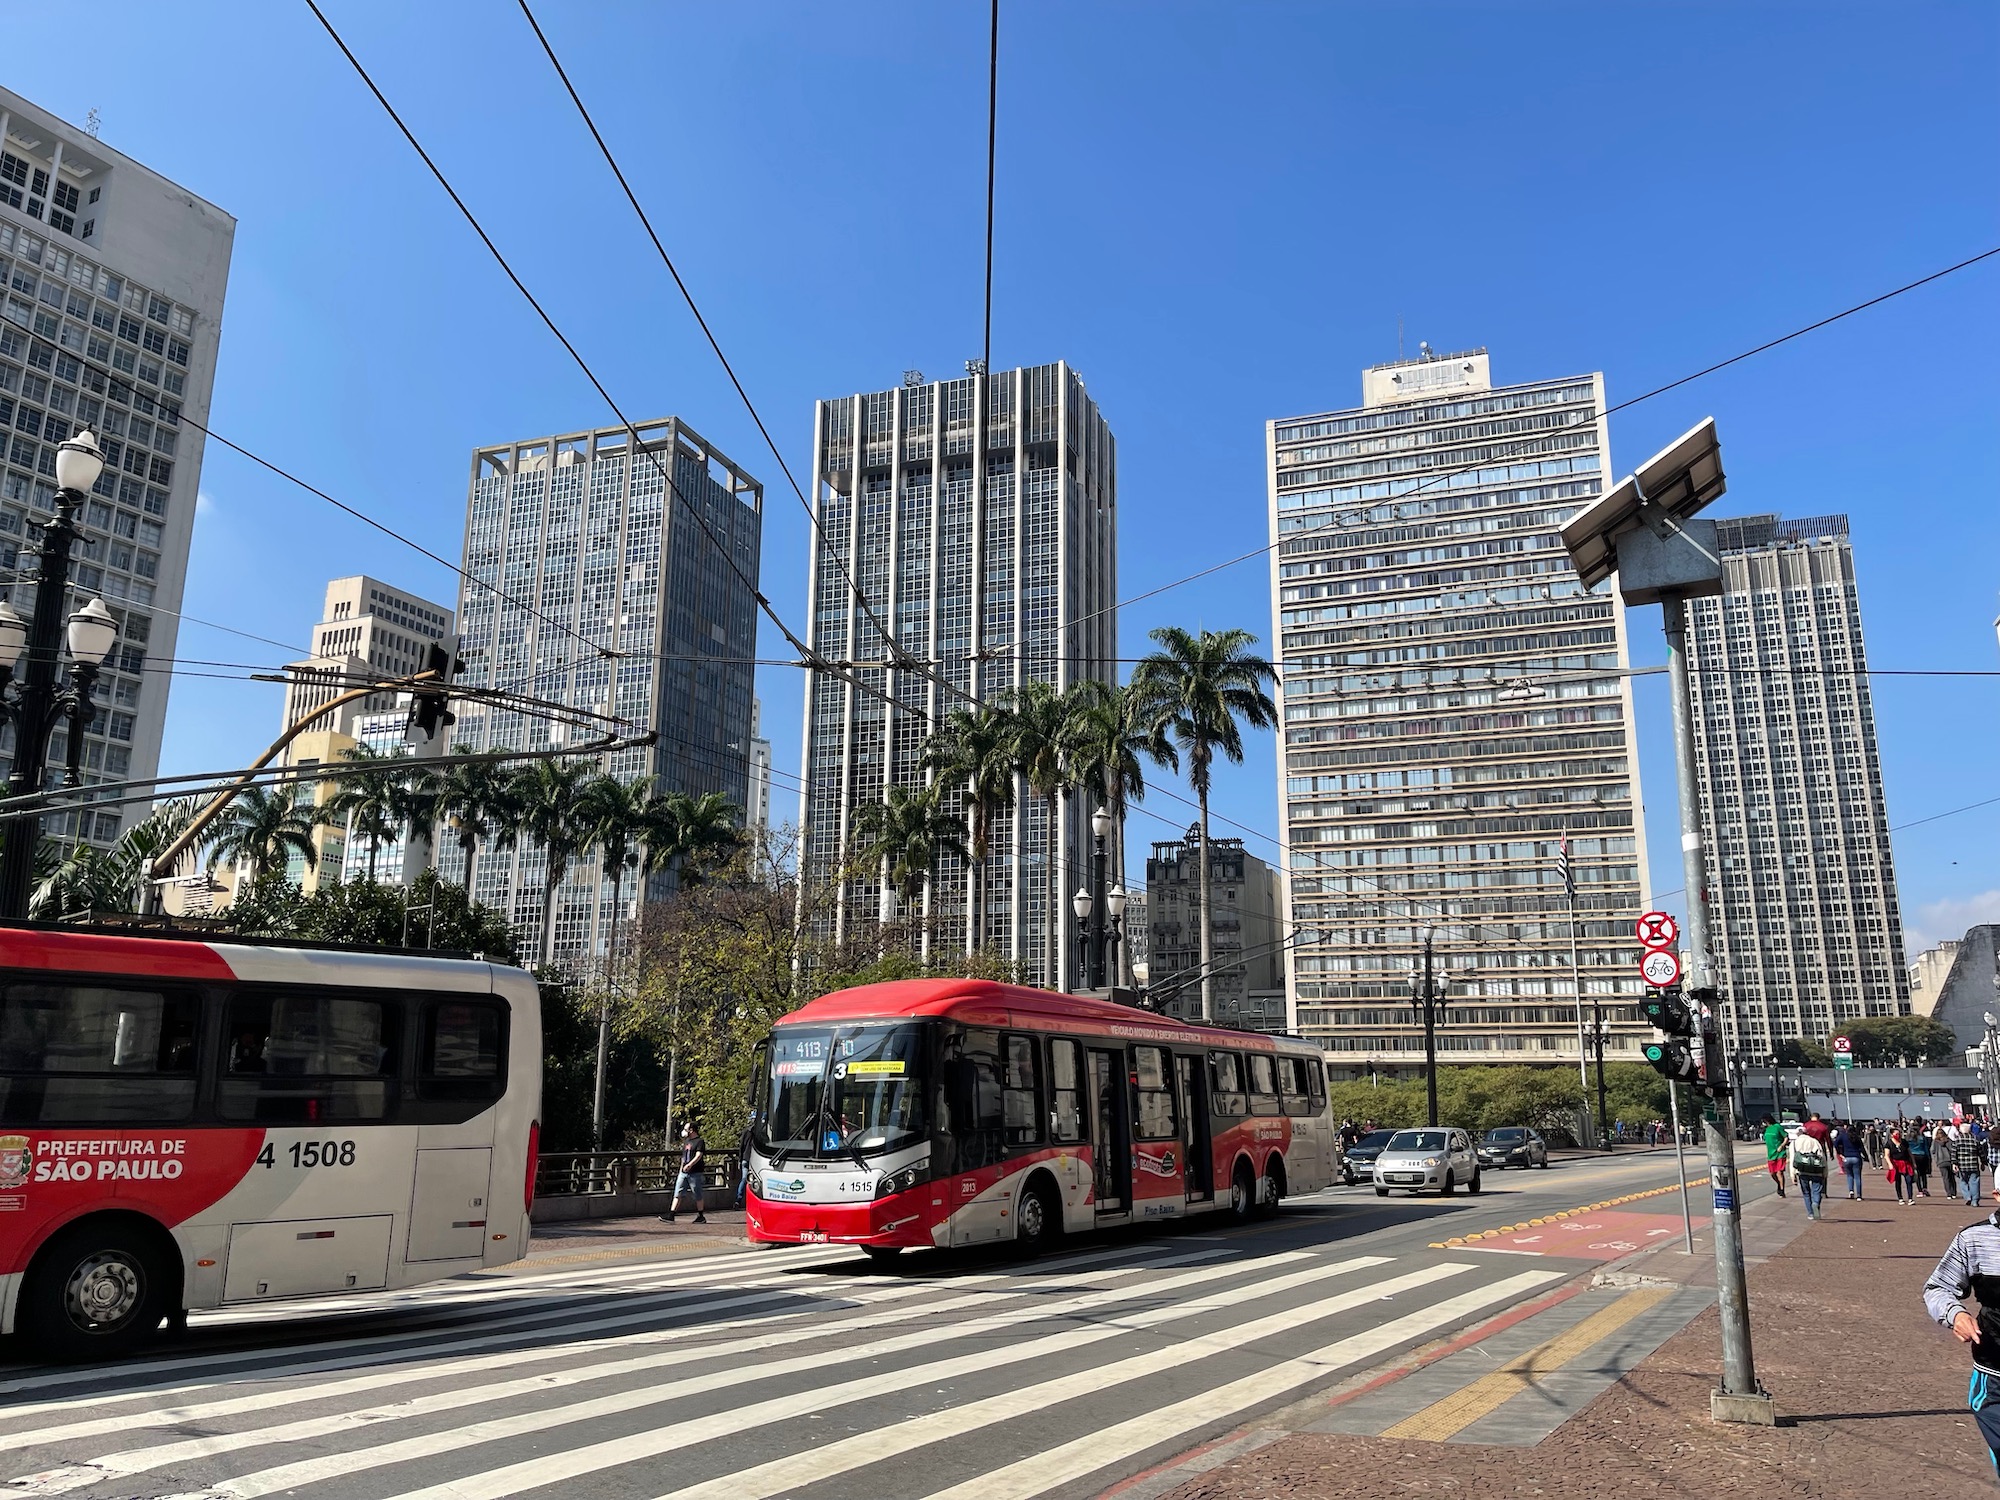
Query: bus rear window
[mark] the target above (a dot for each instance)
(463, 1054)
(79, 1054)
(308, 1057)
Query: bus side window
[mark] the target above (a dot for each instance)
(1263, 1085)
(464, 1052)
(303, 1056)
(1225, 1083)
(1021, 1095)
(82, 1054)
(1292, 1085)
(1153, 1095)
(1065, 1092)
(1316, 1083)
(974, 1099)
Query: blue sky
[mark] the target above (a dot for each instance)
(1218, 214)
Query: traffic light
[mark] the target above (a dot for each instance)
(1677, 1061)
(1669, 1013)
(430, 708)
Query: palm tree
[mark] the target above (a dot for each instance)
(474, 798)
(904, 834)
(615, 813)
(973, 751)
(1041, 721)
(370, 800)
(549, 795)
(1197, 687)
(687, 835)
(419, 795)
(84, 879)
(264, 828)
(1113, 734)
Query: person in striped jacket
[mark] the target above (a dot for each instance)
(1971, 1264)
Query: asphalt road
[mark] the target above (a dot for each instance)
(808, 1371)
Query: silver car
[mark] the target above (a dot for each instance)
(1427, 1159)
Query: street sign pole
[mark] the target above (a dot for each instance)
(1681, 1166)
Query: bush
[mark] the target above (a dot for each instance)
(1483, 1098)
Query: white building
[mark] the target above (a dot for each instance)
(366, 629)
(757, 815)
(617, 600)
(1801, 880)
(1454, 706)
(111, 289)
(979, 519)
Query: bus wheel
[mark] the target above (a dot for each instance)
(882, 1255)
(1037, 1220)
(1242, 1194)
(94, 1291)
(1271, 1189)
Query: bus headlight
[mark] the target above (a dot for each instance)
(901, 1182)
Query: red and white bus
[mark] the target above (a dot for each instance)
(193, 1124)
(945, 1112)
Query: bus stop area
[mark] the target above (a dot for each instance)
(575, 1241)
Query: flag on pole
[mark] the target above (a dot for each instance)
(1562, 864)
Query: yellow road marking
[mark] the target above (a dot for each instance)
(1458, 1411)
(1568, 1213)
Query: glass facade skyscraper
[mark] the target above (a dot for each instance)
(1454, 708)
(616, 601)
(979, 519)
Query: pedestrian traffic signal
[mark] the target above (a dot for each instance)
(1665, 1009)
(430, 708)
(1676, 1061)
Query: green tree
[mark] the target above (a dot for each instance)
(1041, 726)
(1900, 1041)
(1201, 689)
(475, 799)
(689, 836)
(368, 799)
(615, 814)
(549, 796)
(1113, 737)
(1804, 1054)
(72, 884)
(973, 753)
(903, 835)
(262, 829)
(371, 914)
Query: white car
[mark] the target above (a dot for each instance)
(1433, 1157)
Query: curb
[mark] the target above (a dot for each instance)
(1458, 1240)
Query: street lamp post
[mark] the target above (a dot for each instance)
(1428, 995)
(1597, 1030)
(39, 702)
(1100, 913)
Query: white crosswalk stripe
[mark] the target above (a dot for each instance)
(750, 1378)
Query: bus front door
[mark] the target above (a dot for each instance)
(1111, 1137)
(1199, 1167)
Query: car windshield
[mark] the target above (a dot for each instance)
(1507, 1136)
(832, 1092)
(1375, 1139)
(1417, 1140)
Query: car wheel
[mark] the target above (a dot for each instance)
(1381, 1192)
(93, 1292)
(1473, 1187)
(1347, 1176)
(1242, 1195)
(1450, 1186)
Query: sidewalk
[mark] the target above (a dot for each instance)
(576, 1240)
(1871, 1393)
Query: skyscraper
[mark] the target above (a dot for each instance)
(1243, 902)
(109, 320)
(978, 518)
(1453, 705)
(1800, 876)
(757, 812)
(365, 628)
(618, 600)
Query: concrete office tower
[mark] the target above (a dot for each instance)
(109, 316)
(1800, 877)
(617, 599)
(757, 815)
(979, 517)
(1454, 705)
(1243, 892)
(367, 629)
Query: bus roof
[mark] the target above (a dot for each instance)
(985, 1001)
(88, 950)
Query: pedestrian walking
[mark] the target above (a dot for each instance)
(1972, 1260)
(1902, 1167)
(1941, 1158)
(1776, 1149)
(1809, 1164)
(1871, 1140)
(1847, 1146)
(688, 1181)
(1920, 1159)
(1968, 1165)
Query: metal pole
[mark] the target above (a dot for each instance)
(38, 704)
(1597, 1027)
(1740, 1397)
(1680, 1165)
(1093, 941)
(1576, 979)
(1429, 1003)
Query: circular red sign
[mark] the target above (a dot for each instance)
(1658, 929)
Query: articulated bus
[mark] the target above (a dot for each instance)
(948, 1112)
(193, 1124)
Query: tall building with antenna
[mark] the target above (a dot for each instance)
(617, 576)
(1801, 878)
(1454, 707)
(110, 319)
(965, 542)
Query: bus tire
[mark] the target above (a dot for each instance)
(96, 1290)
(1242, 1194)
(882, 1254)
(1037, 1219)
(1272, 1188)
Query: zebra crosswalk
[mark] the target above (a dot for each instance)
(751, 1376)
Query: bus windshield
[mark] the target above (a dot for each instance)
(842, 1092)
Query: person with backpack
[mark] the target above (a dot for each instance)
(1920, 1159)
(1971, 1265)
(1941, 1158)
(1809, 1162)
(1776, 1149)
(1902, 1166)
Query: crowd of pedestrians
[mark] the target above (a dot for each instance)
(1907, 1152)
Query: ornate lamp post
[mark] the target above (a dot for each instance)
(1100, 914)
(39, 702)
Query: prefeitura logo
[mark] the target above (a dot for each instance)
(16, 1157)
